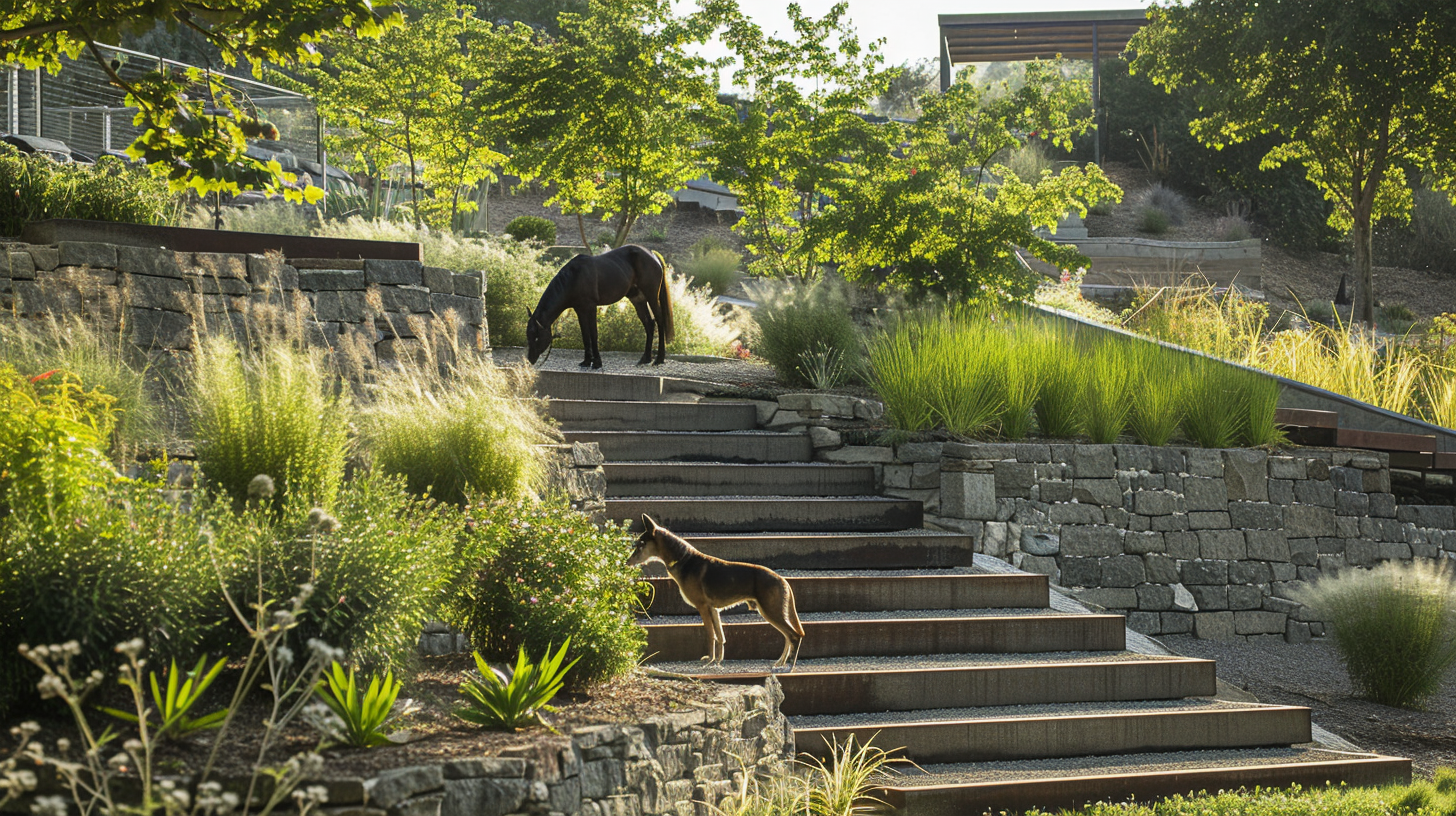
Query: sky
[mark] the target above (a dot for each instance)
(909, 26)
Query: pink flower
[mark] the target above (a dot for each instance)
(534, 599)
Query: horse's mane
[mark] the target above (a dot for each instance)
(557, 291)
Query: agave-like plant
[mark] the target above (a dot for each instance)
(501, 702)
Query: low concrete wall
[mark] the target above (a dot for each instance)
(161, 299)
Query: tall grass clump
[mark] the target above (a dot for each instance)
(1028, 162)
(468, 432)
(272, 217)
(1023, 379)
(1107, 391)
(276, 410)
(841, 785)
(1158, 401)
(940, 370)
(792, 317)
(1214, 407)
(1394, 625)
(1058, 405)
(713, 267)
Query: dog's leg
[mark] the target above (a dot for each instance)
(710, 617)
(720, 642)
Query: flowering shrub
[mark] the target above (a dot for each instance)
(52, 436)
(535, 575)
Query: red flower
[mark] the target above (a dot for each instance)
(46, 376)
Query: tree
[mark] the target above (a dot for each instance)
(405, 97)
(795, 129)
(1360, 91)
(195, 128)
(944, 215)
(609, 112)
(909, 82)
(539, 14)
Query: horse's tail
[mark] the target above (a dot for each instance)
(664, 299)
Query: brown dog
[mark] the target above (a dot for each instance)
(710, 584)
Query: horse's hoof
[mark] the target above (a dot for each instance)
(658, 361)
(584, 364)
(644, 361)
(596, 366)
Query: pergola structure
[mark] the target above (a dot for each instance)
(1014, 37)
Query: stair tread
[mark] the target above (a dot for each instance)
(913, 663)
(764, 498)
(714, 434)
(1187, 705)
(867, 534)
(741, 615)
(1070, 767)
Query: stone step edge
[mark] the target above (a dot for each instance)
(1229, 710)
(756, 678)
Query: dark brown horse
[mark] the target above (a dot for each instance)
(586, 282)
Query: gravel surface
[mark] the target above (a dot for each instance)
(1311, 674)
(932, 715)
(903, 663)
(1102, 765)
(724, 370)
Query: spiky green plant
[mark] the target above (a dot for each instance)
(363, 719)
(1157, 403)
(1058, 406)
(1214, 407)
(498, 701)
(1107, 390)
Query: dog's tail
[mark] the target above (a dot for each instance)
(793, 610)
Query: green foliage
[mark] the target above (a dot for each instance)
(794, 318)
(1158, 401)
(469, 433)
(715, 268)
(906, 85)
(272, 411)
(842, 786)
(1028, 162)
(606, 113)
(1058, 408)
(532, 228)
(1153, 221)
(80, 581)
(1356, 153)
(102, 359)
(942, 214)
(823, 366)
(1107, 401)
(1325, 800)
(34, 188)
(1393, 625)
(377, 566)
(172, 707)
(532, 575)
(271, 217)
(1428, 243)
(505, 703)
(363, 719)
(52, 436)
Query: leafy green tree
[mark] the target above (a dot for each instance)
(195, 128)
(795, 129)
(943, 214)
(540, 14)
(910, 82)
(609, 111)
(1361, 91)
(404, 97)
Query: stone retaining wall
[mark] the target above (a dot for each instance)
(162, 298)
(1183, 540)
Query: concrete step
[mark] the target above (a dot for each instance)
(878, 594)
(770, 513)
(686, 446)
(594, 385)
(1060, 730)
(677, 638)
(956, 790)
(710, 479)
(604, 415)
(909, 549)
(985, 680)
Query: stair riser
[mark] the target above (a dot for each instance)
(598, 386)
(624, 480)
(868, 594)
(750, 515)
(866, 552)
(835, 693)
(1013, 796)
(758, 641)
(1046, 737)
(653, 416)
(748, 448)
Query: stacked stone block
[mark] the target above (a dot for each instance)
(164, 299)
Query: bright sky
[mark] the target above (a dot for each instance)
(909, 26)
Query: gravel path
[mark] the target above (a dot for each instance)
(1311, 674)
(724, 370)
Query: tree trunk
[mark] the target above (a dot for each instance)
(409, 152)
(581, 227)
(1364, 273)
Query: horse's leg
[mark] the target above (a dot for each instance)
(586, 317)
(661, 309)
(639, 302)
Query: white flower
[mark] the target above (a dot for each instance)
(48, 806)
(50, 686)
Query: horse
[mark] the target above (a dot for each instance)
(588, 281)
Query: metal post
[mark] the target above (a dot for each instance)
(1096, 97)
(944, 63)
(38, 109)
(14, 118)
(323, 158)
(106, 129)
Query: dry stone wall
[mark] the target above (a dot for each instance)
(162, 299)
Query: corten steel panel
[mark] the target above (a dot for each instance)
(639, 446)
(185, 239)
(804, 514)
(898, 636)
(868, 551)
(1384, 441)
(1016, 738)
(1076, 791)
(877, 594)
(714, 479)
(808, 693)
(1306, 418)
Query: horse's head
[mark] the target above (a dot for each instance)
(538, 338)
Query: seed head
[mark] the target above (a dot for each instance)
(261, 487)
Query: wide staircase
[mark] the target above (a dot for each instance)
(1001, 695)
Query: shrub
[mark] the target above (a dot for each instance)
(100, 359)
(533, 575)
(791, 317)
(470, 433)
(1153, 221)
(1107, 391)
(1233, 228)
(1428, 242)
(34, 188)
(273, 411)
(532, 228)
(1158, 400)
(698, 324)
(378, 564)
(1393, 626)
(1027, 162)
(271, 217)
(52, 434)
(128, 564)
(1161, 204)
(715, 269)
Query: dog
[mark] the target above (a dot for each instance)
(710, 584)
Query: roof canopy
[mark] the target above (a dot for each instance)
(1037, 35)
